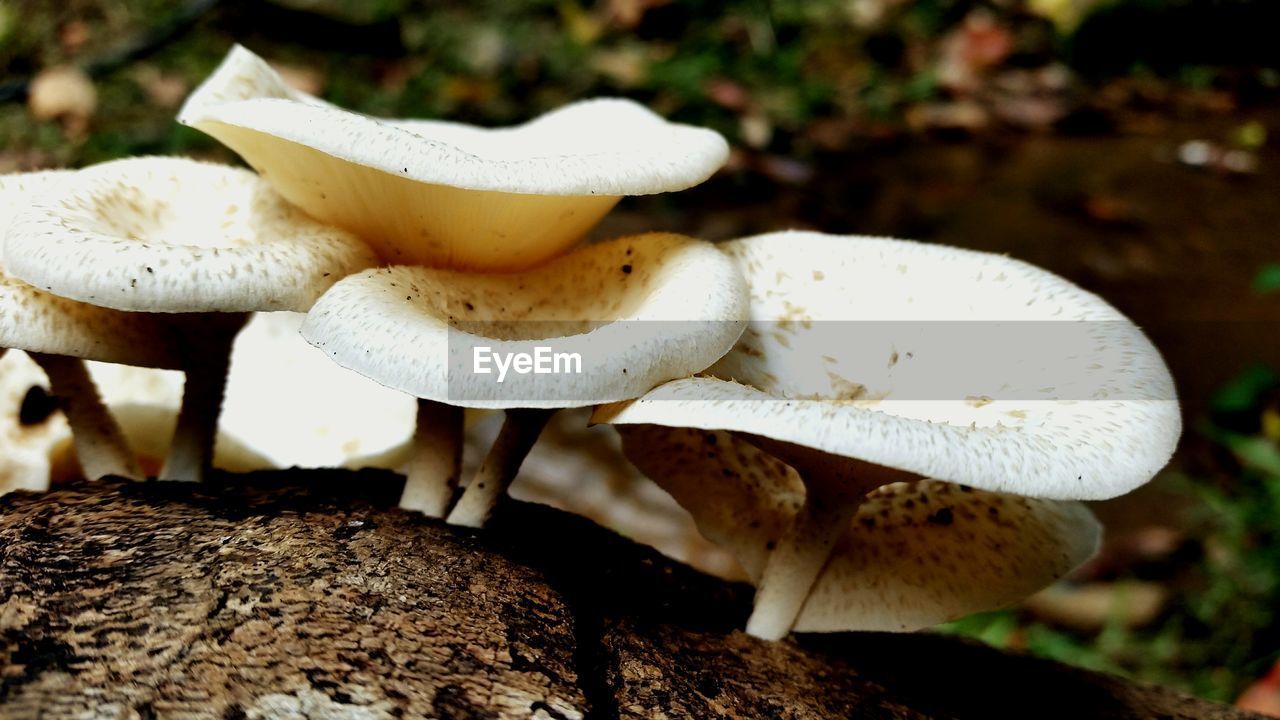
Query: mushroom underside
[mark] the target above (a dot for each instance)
(906, 555)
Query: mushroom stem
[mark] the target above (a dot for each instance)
(100, 444)
(209, 356)
(799, 555)
(519, 431)
(437, 459)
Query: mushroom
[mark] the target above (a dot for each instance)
(581, 469)
(634, 312)
(57, 333)
(871, 361)
(34, 437)
(915, 554)
(286, 404)
(168, 235)
(445, 194)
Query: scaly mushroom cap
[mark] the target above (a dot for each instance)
(915, 555)
(936, 361)
(31, 319)
(638, 311)
(445, 194)
(171, 235)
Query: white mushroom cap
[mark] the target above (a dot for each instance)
(174, 235)
(638, 311)
(31, 319)
(915, 554)
(936, 361)
(286, 403)
(445, 194)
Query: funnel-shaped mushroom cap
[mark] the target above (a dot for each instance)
(174, 235)
(31, 319)
(915, 555)
(604, 323)
(936, 361)
(445, 194)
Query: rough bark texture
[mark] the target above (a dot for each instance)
(257, 597)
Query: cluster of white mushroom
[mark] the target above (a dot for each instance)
(813, 401)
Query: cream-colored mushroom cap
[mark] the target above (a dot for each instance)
(936, 361)
(446, 194)
(175, 235)
(31, 319)
(636, 312)
(915, 554)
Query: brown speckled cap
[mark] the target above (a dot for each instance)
(872, 361)
(170, 235)
(638, 311)
(31, 319)
(850, 335)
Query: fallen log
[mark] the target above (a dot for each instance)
(309, 595)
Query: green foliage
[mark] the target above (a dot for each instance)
(780, 65)
(1268, 279)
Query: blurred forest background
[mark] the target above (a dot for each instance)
(1130, 145)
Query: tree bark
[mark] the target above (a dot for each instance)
(292, 595)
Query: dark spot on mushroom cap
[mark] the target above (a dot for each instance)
(709, 438)
(942, 517)
(37, 406)
(626, 269)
